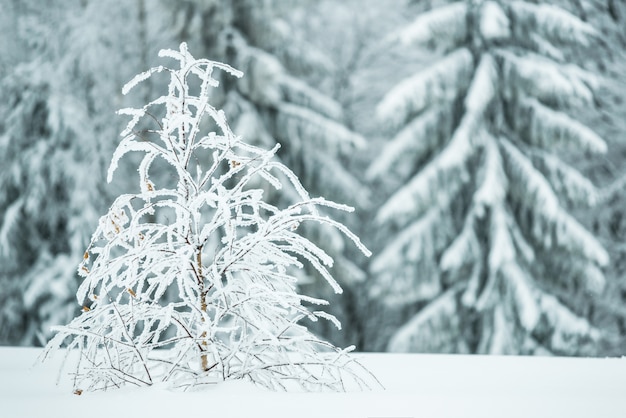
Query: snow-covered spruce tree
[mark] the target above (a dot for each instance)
(276, 103)
(482, 249)
(225, 251)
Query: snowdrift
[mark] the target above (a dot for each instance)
(416, 385)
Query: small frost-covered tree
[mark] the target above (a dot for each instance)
(224, 256)
(483, 246)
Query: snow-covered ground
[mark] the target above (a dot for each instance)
(415, 386)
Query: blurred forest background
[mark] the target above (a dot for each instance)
(481, 142)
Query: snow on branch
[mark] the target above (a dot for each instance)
(443, 28)
(139, 78)
(494, 185)
(523, 295)
(551, 22)
(542, 46)
(543, 79)
(423, 333)
(415, 141)
(301, 94)
(525, 251)
(407, 269)
(482, 88)
(501, 252)
(566, 328)
(593, 278)
(551, 227)
(501, 340)
(195, 285)
(567, 182)
(440, 82)
(546, 128)
(612, 190)
(464, 249)
(575, 275)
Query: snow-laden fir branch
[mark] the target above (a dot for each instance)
(523, 295)
(568, 183)
(551, 22)
(546, 128)
(442, 28)
(567, 327)
(532, 190)
(415, 141)
(483, 87)
(409, 254)
(195, 284)
(494, 185)
(441, 82)
(440, 313)
(301, 94)
(463, 250)
(541, 78)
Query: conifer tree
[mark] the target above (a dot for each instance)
(483, 245)
(215, 241)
